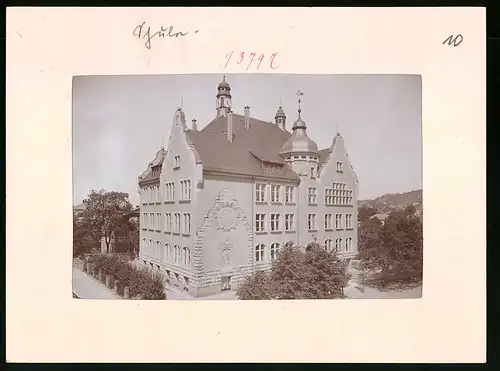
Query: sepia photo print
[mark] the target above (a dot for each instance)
(247, 187)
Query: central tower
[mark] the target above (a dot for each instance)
(224, 103)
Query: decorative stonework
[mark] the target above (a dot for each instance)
(226, 211)
(226, 215)
(272, 168)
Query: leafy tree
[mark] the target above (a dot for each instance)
(134, 236)
(327, 275)
(257, 287)
(82, 239)
(288, 274)
(313, 274)
(104, 214)
(366, 212)
(394, 249)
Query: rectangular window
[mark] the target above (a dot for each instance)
(338, 221)
(185, 190)
(289, 222)
(177, 162)
(311, 195)
(328, 196)
(260, 222)
(311, 222)
(187, 223)
(260, 192)
(328, 221)
(340, 166)
(151, 220)
(348, 221)
(177, 217)
(342, 195)
(275, 193)
(170, 191)
(312, 172)
(275, 222)
(289, 194)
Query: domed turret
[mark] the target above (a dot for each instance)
(299, 142)
(300, 151)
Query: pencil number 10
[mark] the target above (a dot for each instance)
(251, 59)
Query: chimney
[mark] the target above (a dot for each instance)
(230, 126)
(247, 118)
(194, 126)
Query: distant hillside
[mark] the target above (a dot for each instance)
(394, 201)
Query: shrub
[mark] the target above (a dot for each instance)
(139, 281)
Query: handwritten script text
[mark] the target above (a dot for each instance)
(250, 58)
(144, 32)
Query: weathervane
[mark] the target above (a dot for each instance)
(299, 94)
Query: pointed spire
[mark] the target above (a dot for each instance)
(182, 102)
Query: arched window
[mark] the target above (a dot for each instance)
(348, 244)
(338, 244)
(165, 252)
(150, 247)
(170, 253)
(259, 253)
(176, 254)
(187, 256)
(274, 250)
(328, 244)
(225, 258)
(158, 249)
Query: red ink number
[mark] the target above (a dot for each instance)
(252, 59)
(228, 57)
(261, 57)
(242, 55)
(272, 61)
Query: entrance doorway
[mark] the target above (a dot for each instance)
(225, 283)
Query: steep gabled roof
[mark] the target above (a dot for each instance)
(249, 149)
(154, 169)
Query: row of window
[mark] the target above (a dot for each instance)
(275, 193)
(340, 246)
(341, 221)
(167, 222)
(338, 195)
(153, 194)
(166, 252)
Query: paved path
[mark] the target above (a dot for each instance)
(370, 293)
(86, 287)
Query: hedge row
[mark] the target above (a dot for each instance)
(141, 283)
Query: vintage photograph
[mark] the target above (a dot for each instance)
(247, 187)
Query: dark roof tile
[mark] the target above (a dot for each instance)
(261, 143)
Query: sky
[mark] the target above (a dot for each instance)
(120, 122)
